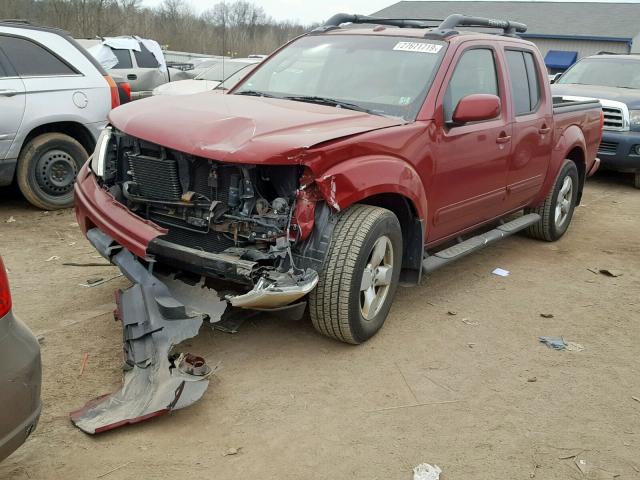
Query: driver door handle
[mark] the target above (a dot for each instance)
(503, 138)
(8, 93)
(544, 129)
(132, 76)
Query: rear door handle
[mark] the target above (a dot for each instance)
(8, 93)
(543, 130)
(131, 76)
(503, 139)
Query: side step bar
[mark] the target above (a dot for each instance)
(448, 255)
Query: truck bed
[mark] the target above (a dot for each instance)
(562, 105)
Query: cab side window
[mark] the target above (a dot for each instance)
(145, 59)
(474, 73)
(124, 59)
(30, 59)
(525, 90)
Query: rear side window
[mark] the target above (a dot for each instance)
(145, 59)
(525, 89)
(474, 73)
(31, 59)
(124, 58)
(3, 73)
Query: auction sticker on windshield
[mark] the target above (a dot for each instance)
(417, 47)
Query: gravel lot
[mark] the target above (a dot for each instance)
(474, 392)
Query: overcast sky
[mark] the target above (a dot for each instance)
(310, 11)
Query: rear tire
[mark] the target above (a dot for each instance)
(360, 277)
(636, 179)
(47, 170)
(557, 209)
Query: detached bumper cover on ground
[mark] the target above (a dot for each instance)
(153, 322)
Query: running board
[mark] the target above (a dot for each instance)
(462, 249)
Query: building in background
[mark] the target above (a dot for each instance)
(563, 31)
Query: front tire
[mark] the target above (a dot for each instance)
(47, 170)
(636, 179)
(557, 210)
(360, 277)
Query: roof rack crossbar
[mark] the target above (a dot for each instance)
(458, 20)
(341, 18)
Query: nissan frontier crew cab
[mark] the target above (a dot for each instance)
(354, 158)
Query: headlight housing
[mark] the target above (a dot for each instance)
(634, 119)
(100, 153)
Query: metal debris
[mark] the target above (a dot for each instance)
(10, 220)
(546, 315)
(52, 258)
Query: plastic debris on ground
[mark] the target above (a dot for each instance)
(10, 220)
(424, 471)
(546, 315)
(501, 272)
(557, 343)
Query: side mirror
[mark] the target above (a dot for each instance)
(476, 108)
(555, 78)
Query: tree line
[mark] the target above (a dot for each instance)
(236, 28)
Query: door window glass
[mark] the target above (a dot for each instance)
(475, 73)
(525, 90)
(31, 59)
(124, 58)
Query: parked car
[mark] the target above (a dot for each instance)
(20, 375)
(615, 81)
(209, 79)
(131, 57)
(202, 65)
(54, 101)
(323, 178)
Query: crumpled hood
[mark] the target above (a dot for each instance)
(185, 87)
(628, 96)
(243, 129)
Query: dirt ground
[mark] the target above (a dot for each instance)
(474, 392)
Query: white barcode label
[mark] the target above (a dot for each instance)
(417, 47)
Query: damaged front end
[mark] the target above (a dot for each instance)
(232, 237)
(231, 222)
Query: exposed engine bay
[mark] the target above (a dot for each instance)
(225, 221)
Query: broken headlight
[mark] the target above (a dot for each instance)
(100, 152)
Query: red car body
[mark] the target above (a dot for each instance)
(455, 180)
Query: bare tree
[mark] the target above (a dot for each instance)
(230, 27)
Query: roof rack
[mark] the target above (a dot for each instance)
(340, 18)
(445, 27)
(457, 20)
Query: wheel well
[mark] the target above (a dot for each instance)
(75, 130)
(577, 156)
(412, 232)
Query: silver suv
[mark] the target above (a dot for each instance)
(54, 101)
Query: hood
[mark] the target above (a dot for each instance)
(236, 128)
(628, 96)
(185, 87)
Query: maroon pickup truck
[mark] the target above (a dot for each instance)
(354, 158)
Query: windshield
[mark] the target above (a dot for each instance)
(219, 72)
(608, 72)
(236, 77)
(379, 74)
